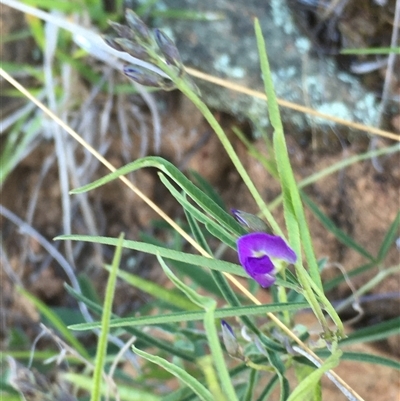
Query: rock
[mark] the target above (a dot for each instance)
(226, 48)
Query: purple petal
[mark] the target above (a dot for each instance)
(226, 326)
(257, 244)
(261, 270)
(238, 216)
(265, 280)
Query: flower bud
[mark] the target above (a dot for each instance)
(138, 26)
(134, 49)
(230, 341)
(142, 76)
(250, 221)
(168, 48)
(122, 30)
(110, 41)
(146, 77)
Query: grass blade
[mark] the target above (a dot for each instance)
(56, 322)
(366, 358)
(193, 316)
(389, 239)
(209, 305)
(377, 332)
(156, 290)
(178, 372)
(149, 340)
(306, 387)
(198, 196)
(105, 324)
(164, 252)
(293, 208)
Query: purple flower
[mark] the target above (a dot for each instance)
(257, 254)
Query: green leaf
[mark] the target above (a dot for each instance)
(156, 290)
(141, 336)
(390, 238)
(196, 231)
(248, 396)
(198, 196)
(65, 6)
(17, 141)
(192, 316)
(293, 209)
(207, 188)
(336, 231)
(198, 275)
(280, 369)
(209, 306)
(377, 332)
(302, 372)
(212, 226)
(307, 386)
(294, 213)
(87, 288)
(101, 349)
(178, 372)
(268, 388)
(125, 393)
(164, 252)
(367, 358)
(56, 322)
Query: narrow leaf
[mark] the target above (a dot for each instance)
(367, 358)
(390, 238)
(56, 322)
(377, 332)
(306, 387)
(178, 372)
(149, 340)
(198, 196)
(105, 324)
(156, 290)
(193, 316)
(163, 252)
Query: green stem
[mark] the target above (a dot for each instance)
(256, 366)
(232, 154)
(185, 88)
(282, 296)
